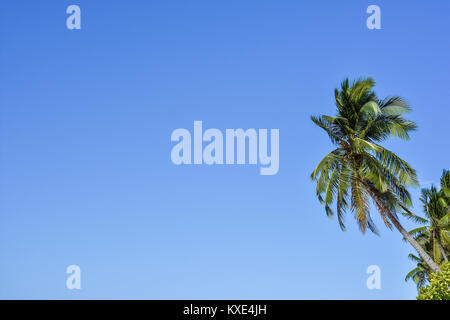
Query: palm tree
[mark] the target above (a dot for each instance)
(420, 274)
(435, 236)
(360, 169)
(436, 205)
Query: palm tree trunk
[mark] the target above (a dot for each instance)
(429, 261)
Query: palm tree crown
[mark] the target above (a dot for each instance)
(360, 168)
(420, 274)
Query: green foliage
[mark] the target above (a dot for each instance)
(434, 237)
(360, 169)
(439, 288)
(420, 274)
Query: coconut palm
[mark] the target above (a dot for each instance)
(434, 237)
(420, 274)
(360, 169)
(436, 205)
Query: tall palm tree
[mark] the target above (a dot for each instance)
(360, 169)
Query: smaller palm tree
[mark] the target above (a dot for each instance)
(436, 205)
(435, 235)
(420, 274)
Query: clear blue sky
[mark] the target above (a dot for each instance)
(85, 123)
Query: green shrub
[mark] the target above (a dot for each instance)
(439, 288)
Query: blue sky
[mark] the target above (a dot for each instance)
(85, 123)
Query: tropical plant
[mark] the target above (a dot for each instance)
(434, 237)
(436, 205)
(439, 288)
(420, 274)
(360, 169)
